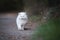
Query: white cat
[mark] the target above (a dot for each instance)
(21, 20)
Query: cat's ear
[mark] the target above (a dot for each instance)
(18, 13)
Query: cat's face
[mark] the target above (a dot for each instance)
(22, 13)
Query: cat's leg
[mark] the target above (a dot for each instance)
(18, 25)
(22, 27)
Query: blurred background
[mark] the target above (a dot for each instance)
(40, 12)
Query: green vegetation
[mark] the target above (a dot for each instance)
(34, 18)
(48, 31)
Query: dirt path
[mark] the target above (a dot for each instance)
(9, 31)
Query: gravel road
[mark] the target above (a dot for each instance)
(9, 31)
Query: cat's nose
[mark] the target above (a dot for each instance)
(23, 16)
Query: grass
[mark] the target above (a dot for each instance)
(48, 31)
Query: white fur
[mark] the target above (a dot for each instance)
(21, 20)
